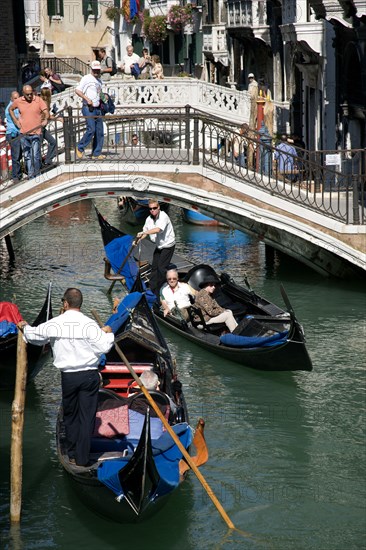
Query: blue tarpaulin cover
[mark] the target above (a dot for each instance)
(124, 309)
(166, 457)
(7, 328)
(116, 251)
(235, 341)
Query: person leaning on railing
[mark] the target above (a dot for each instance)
(33, 116)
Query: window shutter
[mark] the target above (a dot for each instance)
(51, 7)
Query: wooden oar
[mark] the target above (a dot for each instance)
(173, 435)
(134, 243)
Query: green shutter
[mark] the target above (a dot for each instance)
(55, 7)
(51, 7)
(90, 7)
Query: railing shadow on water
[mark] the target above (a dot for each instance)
(184, 135)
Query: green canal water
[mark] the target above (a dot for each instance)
(287, 450)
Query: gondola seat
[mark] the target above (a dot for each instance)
(197, 274)
(198, 321)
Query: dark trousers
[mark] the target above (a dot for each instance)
(160, 263)
(52, 145)
(16, 155)
(79, 401)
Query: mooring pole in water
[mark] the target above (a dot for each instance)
(10, 249)
(17, 413)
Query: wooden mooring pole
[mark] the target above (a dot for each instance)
(17, 413)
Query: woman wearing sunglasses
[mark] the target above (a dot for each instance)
(159, 229)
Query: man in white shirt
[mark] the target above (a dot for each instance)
(129, 59)
(160, 230)
(89, 89)
(175, 294)
(77, 344)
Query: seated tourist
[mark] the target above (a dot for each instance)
(211, 310)
(174, 294)
(151, 382)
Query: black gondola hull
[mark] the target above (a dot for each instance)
(8, 351)
(291, 356)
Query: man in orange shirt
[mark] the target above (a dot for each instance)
(33, 116)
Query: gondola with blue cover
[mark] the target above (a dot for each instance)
(135, 465)
(267, 337)
(9, 317)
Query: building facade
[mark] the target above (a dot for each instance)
(309, 55)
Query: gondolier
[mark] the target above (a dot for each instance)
(77, 343)
(160, 230)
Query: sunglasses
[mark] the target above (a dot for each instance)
(153, 208)
(172, 279)
(63, 300)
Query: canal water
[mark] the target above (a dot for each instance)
(287, 450)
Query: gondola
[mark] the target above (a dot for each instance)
(10, 315)
(267, 338)
(135, 211)
(134, 464)
(197, 218)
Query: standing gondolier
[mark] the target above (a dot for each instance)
(160, 230)
(77, 344)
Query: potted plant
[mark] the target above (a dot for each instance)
(155, 28)
(180, 16)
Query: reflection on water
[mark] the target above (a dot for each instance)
(286, 450)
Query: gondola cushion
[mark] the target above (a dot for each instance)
(235, 341)
(137, 423)
(112, 422)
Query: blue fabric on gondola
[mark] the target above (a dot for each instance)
(116, 251)
(235, 341)
(167, 463)
(129, 302)
(7, 328)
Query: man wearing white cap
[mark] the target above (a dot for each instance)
(89, 89)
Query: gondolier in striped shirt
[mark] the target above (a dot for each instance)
(160, 230)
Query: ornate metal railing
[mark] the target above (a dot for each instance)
(185, 135)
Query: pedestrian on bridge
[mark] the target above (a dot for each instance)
(160, 230)
(33, 116)
(13, 138)
(90, 89)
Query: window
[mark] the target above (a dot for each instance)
(91, 8)
(55, 8)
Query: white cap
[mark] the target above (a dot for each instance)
(95, 66)
(250, 75)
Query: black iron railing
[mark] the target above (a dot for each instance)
(171, 136)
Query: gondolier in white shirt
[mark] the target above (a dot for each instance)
(77, 344)
(160, 230)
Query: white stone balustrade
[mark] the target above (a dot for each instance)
(225, 103)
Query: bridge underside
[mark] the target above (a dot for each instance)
(297, 233)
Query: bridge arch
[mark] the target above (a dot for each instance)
(255, 212)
